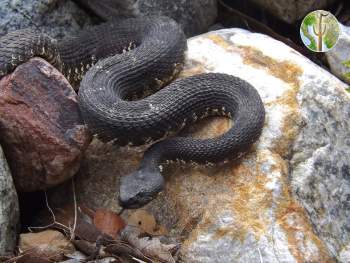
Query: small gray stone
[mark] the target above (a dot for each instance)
(9, 209)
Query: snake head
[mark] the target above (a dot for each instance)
(140, 187)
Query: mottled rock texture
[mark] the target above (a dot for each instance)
(40, 126)
(338, 57)
(9, 210)
(292, 11)
(287, 199)
(57, 18)
(195, 16)
(320, 167)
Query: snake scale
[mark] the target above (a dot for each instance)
(122, 60)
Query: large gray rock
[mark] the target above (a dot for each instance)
(57, 18)
(292, 11)
(195, 16)
(320, 166)
(338, 57)
(9, 210)
(287, 200)
(61, 18)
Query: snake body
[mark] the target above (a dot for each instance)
(122, 60)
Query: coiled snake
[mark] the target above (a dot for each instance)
(123, 59)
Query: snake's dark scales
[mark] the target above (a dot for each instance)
(129, 57)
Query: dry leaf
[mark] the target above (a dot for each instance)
(147, 223)
(86, 247)
(76, 255)
(108, 222)
(32, 258)
(150, 247)
(143, 220)
(160, 231)
(123, 248)
(66, 220)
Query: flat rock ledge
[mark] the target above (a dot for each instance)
(41, 129)
(287, 200)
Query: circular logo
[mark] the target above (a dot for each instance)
(320, 31)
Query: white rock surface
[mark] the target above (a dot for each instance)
(292, 11)
(9, 210)
(338, 57)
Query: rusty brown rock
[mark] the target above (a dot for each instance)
(40, 126)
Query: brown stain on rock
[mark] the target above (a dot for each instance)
(220, 41)
(293, 220)
(290, 74)
(284, 70)
(251, 201)
(245, 196)
(191, 68)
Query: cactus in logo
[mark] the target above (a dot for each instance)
(321, 29)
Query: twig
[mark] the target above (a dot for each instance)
(339, 9)
(50, 209)
(260, 256)
(14, 259)
(54, 223)
(138, 260)
(53, 217)
(121, 211)
(75, 211)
